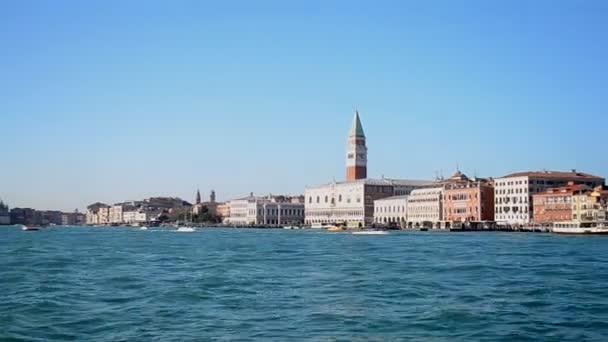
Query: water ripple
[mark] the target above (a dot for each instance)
(120, 284)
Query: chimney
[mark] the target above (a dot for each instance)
(573, 170)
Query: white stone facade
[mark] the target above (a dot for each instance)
(513, 200)
(116, 214)
(424, 207)
(351, 202)
(264, 211)
(136, 216)
(391, 210)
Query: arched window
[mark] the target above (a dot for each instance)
(340, 198)
(326, 199)
(318, 200)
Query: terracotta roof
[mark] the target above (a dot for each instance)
(566, 189)
(553, 174)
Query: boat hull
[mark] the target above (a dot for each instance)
(370, 232)
(578, 231)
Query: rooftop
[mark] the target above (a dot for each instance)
(380, 181)
(573, 174)
(392, 198)
(566, 189)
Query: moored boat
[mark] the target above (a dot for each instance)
(572, 227)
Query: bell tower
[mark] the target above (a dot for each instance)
(356, 152)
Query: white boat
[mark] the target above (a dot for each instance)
(370, 232)
(186, 229)
(322, 226)
(571, 227)
(143, 228)
(288, 227)
(29, 228)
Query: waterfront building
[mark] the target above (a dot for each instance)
(268, 210)
(556, 204)
(115, 213)
(223, 210)
(590, 205)
(26, 216)
(97, 213)
(5, 217)
(352, 202)
(135, 216)
(391, 211)
(513, 194)
(208, 207)
(73, 219)
(50, 217)
(468, 200)
(356, 153)
(424, 208)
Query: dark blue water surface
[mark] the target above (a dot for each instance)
(124, 284)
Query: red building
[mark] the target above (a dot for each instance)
(555, 204)
(468, 200)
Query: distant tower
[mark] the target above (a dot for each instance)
(198, 197)
(212, 196)
(356, 153)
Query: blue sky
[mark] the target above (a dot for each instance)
(117, 100)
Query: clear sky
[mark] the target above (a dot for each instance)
(117, 100)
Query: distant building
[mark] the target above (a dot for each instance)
(391, 211)
(97, 214)
(198, 197)
(51, 217)
(223, 210)
(424, 208)
(269, 210)
(5, 217)
(136, 216)
(555, 204)
(356, 154)
(115, 213)
(73, 219)
(468, 199)
(26, 216)
(352, 203)
(513, 193)
(209, 207)
(590, 205)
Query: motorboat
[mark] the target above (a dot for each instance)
(186, 229)
(143, 228)
(334, 229)
(29, 228)
(573, 227)
(370, 232)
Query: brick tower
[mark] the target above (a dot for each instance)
(356, 153)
